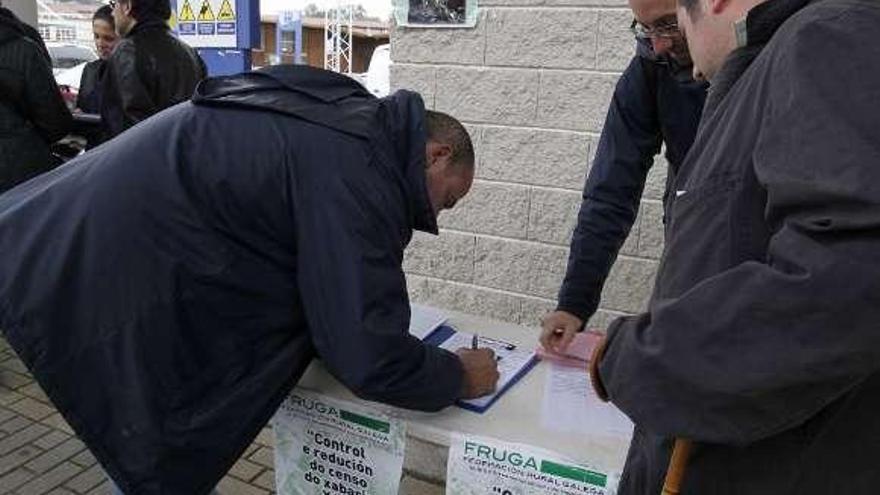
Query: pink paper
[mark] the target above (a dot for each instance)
(578, 352)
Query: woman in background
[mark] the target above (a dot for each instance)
(89, 98)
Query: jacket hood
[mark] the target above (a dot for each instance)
(10, 27)
(337, 102)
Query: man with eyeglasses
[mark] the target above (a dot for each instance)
(150, 69)
(656, 102)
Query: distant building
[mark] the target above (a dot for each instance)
(367, 35)
(66, 22)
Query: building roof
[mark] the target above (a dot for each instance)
(359, 27)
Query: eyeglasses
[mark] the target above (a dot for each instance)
(665, 27)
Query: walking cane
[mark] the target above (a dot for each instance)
(677, 465)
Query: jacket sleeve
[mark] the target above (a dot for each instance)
(762, 347)
(630, 139)
(355, 298)
(43, 102)
(131, 93)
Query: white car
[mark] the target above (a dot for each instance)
(376, 78)
(66, 56)
(70, 77)
(378, 72)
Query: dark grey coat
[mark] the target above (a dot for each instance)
(762, 342)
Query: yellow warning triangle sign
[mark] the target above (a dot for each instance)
(186, 13)
(226, 13)
(205, 13)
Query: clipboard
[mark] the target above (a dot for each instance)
(514, 364)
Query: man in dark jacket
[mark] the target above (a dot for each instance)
(761, 343)
(655, 102)
(32, 112)
(169, 288)
(150, 69)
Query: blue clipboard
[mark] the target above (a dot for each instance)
(443, 333)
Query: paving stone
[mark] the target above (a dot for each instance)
(61, 491)
(51, 439)
(15, 424)
(84, 458)
(15, 364)
(57, 476)
(245, 470)
(32, 409)
(13, 380)
(102, 489)
(57, 421)
(89, 479)
(232, 486)
(266, 480)
(55, 456)
(22, 437)
(34, 391)
(251, 449)
(264, 456)
(6, 415)
(13, 480)
(18, 457)
(413, 486)
(266, 437)
(8, 396)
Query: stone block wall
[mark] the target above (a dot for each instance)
(532, 82)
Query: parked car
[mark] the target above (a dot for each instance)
(70, 77)
(378, 72)
(376, 79)
(67, 56)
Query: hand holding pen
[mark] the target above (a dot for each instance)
(480, 370)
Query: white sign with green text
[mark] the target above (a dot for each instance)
(325, 446)
(483, 466)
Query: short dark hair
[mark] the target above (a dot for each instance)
(105, 13)
(690, 6)
(446, 129)
(143, 10)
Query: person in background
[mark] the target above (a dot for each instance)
(32, 112)
(88, 99)
(656, 102)
(149, 70)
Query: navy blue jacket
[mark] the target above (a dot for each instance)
(650, 107)
(169, 288)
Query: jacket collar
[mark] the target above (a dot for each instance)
(299, 91)
(339, 103)
(10, 26)
(761, 23)
(148, 25)
(404, 118)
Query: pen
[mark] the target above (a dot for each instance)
(506, 345)
(474, 341)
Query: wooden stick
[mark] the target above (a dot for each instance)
(677, 466)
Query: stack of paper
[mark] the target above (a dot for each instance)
(513, 363)
(570, 405)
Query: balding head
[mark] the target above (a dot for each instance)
(449, 160)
